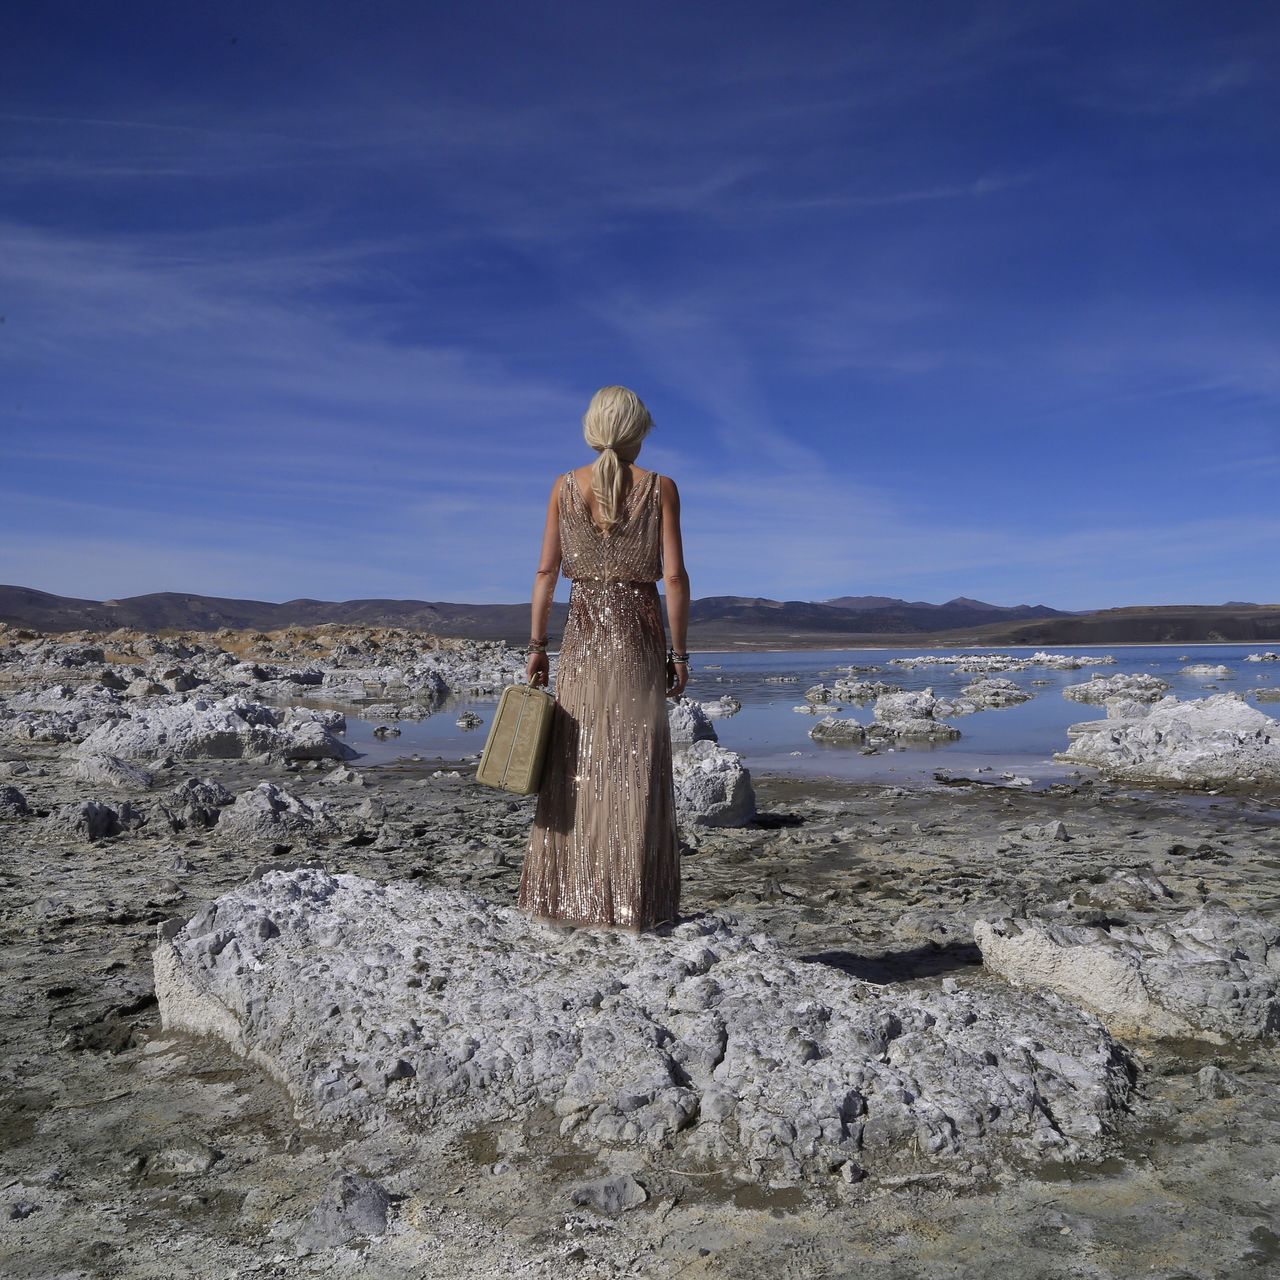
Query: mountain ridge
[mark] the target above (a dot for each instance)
(189, 611)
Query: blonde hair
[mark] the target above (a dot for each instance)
(615, 425)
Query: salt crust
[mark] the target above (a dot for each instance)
(398, 1004)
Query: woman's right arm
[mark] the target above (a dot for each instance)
(538, 668)
(675, 578)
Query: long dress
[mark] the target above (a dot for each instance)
(603, 849)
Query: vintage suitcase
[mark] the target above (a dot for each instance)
(517, 745)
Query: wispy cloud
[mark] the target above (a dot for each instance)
(959, 303)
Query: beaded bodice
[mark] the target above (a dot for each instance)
(632, 551)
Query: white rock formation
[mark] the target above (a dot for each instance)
(1206, 670)
(229, 728)
(1005, 661)
(838, 731)
(111, 771)
(269, 812)
(1266, 656)
(382, 1004)
(984, 694)
(688, 721)
(713, 787)
(1142, 687)
(196, 803)
(1206, 742)
(862, 690)
(725, 705)
(909, 715)
(1210, 974)
(1122, 707)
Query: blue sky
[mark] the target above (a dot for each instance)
(926, 299)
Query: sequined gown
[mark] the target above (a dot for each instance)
(603, 848)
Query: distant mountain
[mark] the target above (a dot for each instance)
(748, 616)
(176, 611)
(1140, 624)
(714, 621)
(961, 604)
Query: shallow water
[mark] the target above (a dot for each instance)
(770, 735)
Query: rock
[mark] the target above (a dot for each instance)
(352, 1206)
(386, 731)
(1210, 974)
(186, 1155)
(1049, 831)
(983, 694)
(230, 728)
(13, 804)
(1213, 741)
(88, 820)
(1268, 656)
(393, 1004)
(343, 776)
(725, 705)
(1213, 1082)
(468, 720)
(177, 680)
(611, 1195)
(111, 771)
(1122, 892)
(909, 715)
(838, 731)
(268, 812)
(311, 740)
(1141, 687)
(142, 687)
(1004, 661)
(688, 721)
(57, 713)
(863, 690)
(196, 803)
(1123, 707)
(713, 787)
(1207, 671)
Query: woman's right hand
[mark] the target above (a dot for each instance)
(539, 669)
(676, 688)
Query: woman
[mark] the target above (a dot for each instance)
(603, 849)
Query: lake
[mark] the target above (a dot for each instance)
(771, 736)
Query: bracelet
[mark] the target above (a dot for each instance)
(537, 646)
(678, 657)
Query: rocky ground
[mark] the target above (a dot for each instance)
(129, 1151)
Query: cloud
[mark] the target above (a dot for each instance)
(907, 319)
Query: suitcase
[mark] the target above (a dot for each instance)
(517, 745)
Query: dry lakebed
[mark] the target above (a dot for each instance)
(269, 1009)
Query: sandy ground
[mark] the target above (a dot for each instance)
(130, 1153)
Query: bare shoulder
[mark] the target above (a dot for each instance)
(670, 494)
